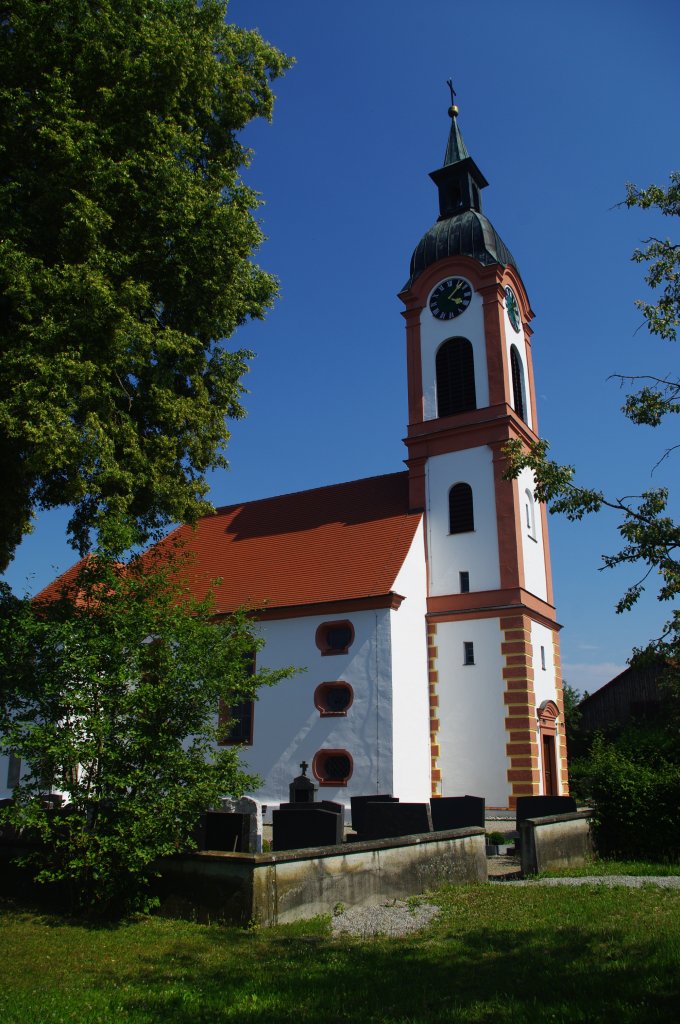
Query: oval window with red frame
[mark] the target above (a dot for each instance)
(332, 767)
(335, 637)
(333, 698)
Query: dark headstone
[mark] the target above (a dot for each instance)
(457, 812)
(386, 820)
(302, 790)
(326, 805)
(296, 829)
(223, 831)
(358, 805)
(542, 807)
(52, 801)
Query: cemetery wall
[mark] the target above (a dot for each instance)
(557, 841)
(295, 885)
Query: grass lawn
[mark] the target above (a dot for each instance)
(496, 953)
(615, 867)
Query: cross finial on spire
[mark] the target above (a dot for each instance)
(453, 109)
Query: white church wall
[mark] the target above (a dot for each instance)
(433, 333)
(533, 553)
(472, 735)
(544, 678)
(288, 728)
(475, 552)
(545, 683)
(410, 693)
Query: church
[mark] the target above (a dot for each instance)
(419, 604)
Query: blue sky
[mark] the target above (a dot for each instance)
(560, 105)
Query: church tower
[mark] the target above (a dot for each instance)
(496, 711)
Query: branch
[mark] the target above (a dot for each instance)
(665, 456)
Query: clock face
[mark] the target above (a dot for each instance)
(512, 307)
(450, 298)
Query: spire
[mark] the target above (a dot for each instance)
(459, 180)
(456, 149)
(461, 228)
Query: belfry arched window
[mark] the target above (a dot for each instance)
(461, 509)
(455, 369)
(518, 390)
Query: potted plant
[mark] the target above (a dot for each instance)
(497, 843)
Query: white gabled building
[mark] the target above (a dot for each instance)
(419, 603)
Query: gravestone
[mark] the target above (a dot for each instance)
(299, 827)
(358, 805)
(457, 812)
(253, 809)
(326, 805)
(542, 807)
(387, 820)
(223, 831)
(302, 790)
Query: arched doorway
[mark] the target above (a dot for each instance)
(547, 723)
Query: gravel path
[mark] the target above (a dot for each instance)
(399, 919)
(631, 881)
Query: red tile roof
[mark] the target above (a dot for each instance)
(339, 543)
(333, 544)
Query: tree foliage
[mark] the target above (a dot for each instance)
(663, 256)
(650, 536)
(109, 692)
(634, 791)
(125, 257)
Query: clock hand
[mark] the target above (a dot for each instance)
(451, 296)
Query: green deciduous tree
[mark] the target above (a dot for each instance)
(109, 692)
(650, 536)
(126, 236)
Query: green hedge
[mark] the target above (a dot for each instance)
(636, 802)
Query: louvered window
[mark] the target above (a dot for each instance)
(455, 369)
(517, 373)
(461, 510)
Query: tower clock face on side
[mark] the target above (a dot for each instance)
(450, 298)
(512, 307)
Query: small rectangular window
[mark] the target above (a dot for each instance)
(543, 658)
(465, 582)
(469, 652)
(237, 721)
(13, 771)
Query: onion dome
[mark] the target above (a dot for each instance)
(461, 229)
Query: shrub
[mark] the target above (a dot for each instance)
(636, 801)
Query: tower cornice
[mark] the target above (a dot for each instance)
(482, 278)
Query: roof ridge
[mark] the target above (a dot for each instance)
(307, 490)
